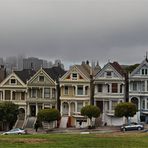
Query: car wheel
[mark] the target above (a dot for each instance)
(124, 129)
(19, 134)
(139, 128)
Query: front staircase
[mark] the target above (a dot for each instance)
(19, 123)
(63, 123)
(30, 122)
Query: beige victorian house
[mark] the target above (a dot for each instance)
(41, 90)
(75, 93)
(13, 88)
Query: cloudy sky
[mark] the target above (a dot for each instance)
(75, 30)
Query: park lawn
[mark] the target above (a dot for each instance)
(112, 140)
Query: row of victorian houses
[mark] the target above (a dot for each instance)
(69, 91)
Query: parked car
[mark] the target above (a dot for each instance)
(132, 126)
(18, 131)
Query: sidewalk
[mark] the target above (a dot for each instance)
(103, 129)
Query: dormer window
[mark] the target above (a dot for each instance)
(13, 81)
(41, 78)
(74, 76)
(144, 72)
(108, 73)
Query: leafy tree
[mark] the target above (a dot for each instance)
(125, 109)
(8, 114)
(130, 68)
(48, 115)
(90, 111)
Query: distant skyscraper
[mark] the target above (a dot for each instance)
(11, 64)
(20, 62)
(32, 63)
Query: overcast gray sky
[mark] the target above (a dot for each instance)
(75, 30)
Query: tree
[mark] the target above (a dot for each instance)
(125, 109)
(8, 114)
(48, 115)
(90, 111)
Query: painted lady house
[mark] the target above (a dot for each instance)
(109, 90)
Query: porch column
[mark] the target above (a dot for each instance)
(118, 85)
(145, 100)
(83, 89)
(36, 108)
(75, 106)
(61, 108)
(69, 109)
(11, 95)
(145, 88)
(43, 92)
(76, 90)
(51, 92)
(28, 109)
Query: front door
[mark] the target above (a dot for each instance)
(32, 110)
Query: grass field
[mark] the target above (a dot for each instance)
(112, 140)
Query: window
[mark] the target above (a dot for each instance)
(114, 103)
(143, 104)
(74, 76)
(79, 106)
(66, 90)
(145, 71)
(41, 78)
(80, 90)
(33, 93)
(134, 86)
(100, 87)
(46, 92)
(142, 71)
(13, 81)
(114, 87)
(108, 73)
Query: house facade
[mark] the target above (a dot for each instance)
(109, 91)
(138, 91)
(75, 93)
(14, 88)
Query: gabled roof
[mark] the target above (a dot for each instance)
(85, 69)
(118, 68)
(55, 72)
(144, 62)
(25, 74)
(115, 66)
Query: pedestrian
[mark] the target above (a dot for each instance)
(36, 126)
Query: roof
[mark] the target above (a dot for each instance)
(85, 69)
(25, 74)
(55, 72)
(118, 68)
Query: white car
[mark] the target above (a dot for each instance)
(18, 131)
(132, 126)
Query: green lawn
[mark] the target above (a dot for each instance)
(112, 140)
